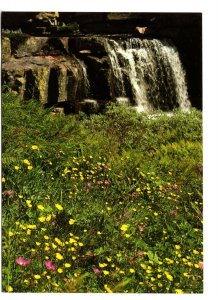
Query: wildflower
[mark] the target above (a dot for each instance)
(108, 259)
(34, 147)
(73, 257)
(96, 271)
(3, 179)
(9, 288)
(195, 252)
(107, 288)
(81, 244)
(40, 206)
(177, 247)
(124, 227)
(155, 214)
(99, 232)
(59, 207)
(10, 193)
(179, 291)
(26, 162)
(28, 202)
(60, 270)
(143, 266)
(168, 276)
(102, 265)
(29, 167)
(46, 237)
(99, 182)
(160, 284)
(127, 235)
(50, 265)
(59, 256)
(201, 265)
(106, 272)
(126, 214)
(37, 276)
(141, 228)
(22, 262)
(89, 184)
(72, 221)
(174, 213)
(42, 219)
(132, 271)
(10, 233)
(48, 218)
(107, 182)
(67, 265)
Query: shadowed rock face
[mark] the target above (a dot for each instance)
(43, 60)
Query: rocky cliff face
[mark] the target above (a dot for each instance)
(48, 56)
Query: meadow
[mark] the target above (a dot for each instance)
(108, 203)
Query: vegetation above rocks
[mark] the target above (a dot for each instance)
(105, 203)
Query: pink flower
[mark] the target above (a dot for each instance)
(173, 213)
(96, 271)
(10, 193)
(133, 194)
(105, 166)
(141, 228)
(99, 182)
(23, 262)
(126, 214)
(89, 184)
(201, 265)
(50, 265)
(107, 182)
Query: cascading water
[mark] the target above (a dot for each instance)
(148, 72)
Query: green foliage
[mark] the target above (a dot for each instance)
(114, 201)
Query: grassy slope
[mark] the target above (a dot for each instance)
(109, 170)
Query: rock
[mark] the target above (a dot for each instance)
(142, 30)
(47, 79)
(6, 49)
(88, 106)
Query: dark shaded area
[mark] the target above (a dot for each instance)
(53, 86)
(31, 89)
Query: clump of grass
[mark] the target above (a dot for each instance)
(107, 203)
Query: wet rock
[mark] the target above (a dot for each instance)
(88, 106)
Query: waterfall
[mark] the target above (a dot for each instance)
(148, 72)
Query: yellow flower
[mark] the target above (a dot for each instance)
(108, 259)
(3, 179)
(41, 219)
(67, 265)
(168, 276)
(80, 244)
(143, 266)
(46, 237)
(10, 233)
(155, 214)
(59, 256)
(72, 221)
(102, 265)
(127, 235)
(106, 272)
(38, 243)
(28, 232)
(59, 207)
(29, 167)
(26, 162)
(179, 291)
(40, 206)
(9, 288)
(60, 270)
(31, 226)
(73, 257)
(99, 233)
(107, 288)
(195, 252)
(34, 147)
(177, 247)
(131, 270)
(17, 168)
(124, 227)
(28, 202)
(48, 217)
(37, 276)
(160, 284)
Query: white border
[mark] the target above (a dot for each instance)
(210, 101)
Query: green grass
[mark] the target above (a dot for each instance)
(114, 201)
